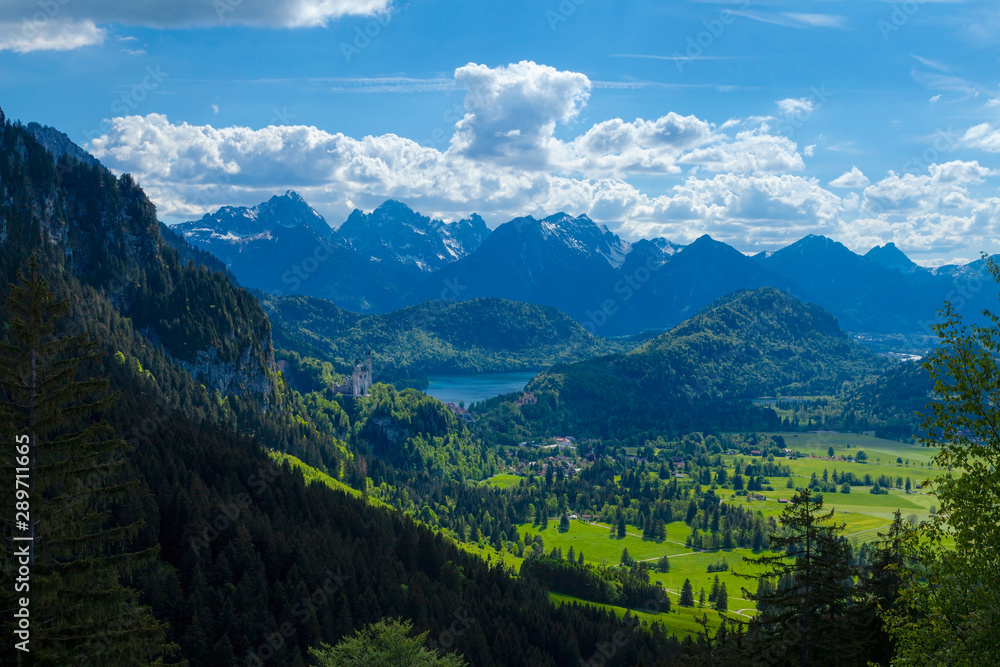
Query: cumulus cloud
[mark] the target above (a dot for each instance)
(512, 111)
(851, 179)
(735, 180)
(29, 25)
(984, 137)
(43, 33)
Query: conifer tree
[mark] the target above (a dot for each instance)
(687, 594)
(721, 602)
(81, 612)
(806, 616)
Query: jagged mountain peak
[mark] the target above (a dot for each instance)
(234, 223)
(393, 231)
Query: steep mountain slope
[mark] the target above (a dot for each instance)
(58, 144)
(394, 232)
(752, 343)
(103, 231)
(479, 335)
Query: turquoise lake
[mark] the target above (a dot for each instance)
(472, 388)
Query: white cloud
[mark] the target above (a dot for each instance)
(851, 179)
(29, 25)
(749, 151)
(512, 111)
(817, 20)
(215, 108)
(795, 107)
(47, 34)
(984, 137)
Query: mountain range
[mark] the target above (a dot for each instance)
(395, 257)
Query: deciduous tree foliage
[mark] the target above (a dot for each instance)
(950, 609)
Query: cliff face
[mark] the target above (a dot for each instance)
(246, 375)
(70, 211)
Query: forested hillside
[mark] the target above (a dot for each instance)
(475, 336)
(752, 343)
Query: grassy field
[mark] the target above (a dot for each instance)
(503, 481)
(597, 544)
(679, 620)
(863, 514)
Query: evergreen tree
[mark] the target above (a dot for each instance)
(722, 599)
(807, 615)
(687, 594)
(80, 609)
(563, 523)
(880, 584)
(621, 526)
(714, 592)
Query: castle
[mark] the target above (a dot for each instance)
(360, 382)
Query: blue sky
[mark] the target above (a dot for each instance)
(755, 122)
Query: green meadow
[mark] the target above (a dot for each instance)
(503, 481)
(679, 620)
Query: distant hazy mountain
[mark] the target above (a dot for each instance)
(395, 232)
(563, 261)
(283, 246)
(880, 292)
(393, 257)
(891, 257)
